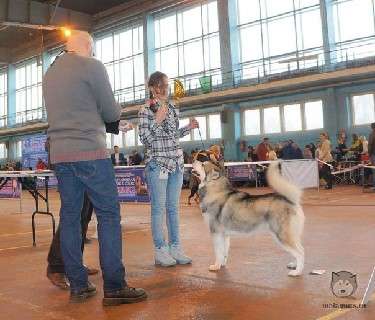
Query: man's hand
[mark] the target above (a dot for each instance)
(125, 126)
(161, 114)
(193, 124)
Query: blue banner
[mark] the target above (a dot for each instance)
(131, 185)
(242, 173)
(33, 148)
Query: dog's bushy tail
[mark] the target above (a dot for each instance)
(281, 185)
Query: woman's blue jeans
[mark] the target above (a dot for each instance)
(164, 190)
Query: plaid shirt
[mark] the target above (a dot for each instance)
(161, 141)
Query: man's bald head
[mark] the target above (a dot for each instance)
(81, 43)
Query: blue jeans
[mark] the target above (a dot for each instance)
(165, 197)
(97, 178)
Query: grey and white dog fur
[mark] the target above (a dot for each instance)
(229, 211)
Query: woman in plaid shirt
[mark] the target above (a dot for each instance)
(159, 131)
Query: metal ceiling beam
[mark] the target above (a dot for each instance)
(29, 13)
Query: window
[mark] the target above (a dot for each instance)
(109, 141)
(266, 120)
(122, 54)
(353, 21)
(252, 122)
(3, 98)
(363, 109)
(271, 120)
(3, 151)
(292, 117)
(118, 140)
(262, 26)
(130, 138)
(187, 44)
(184, 123)
(314, 115)
(214, 125)
(200, 133)
(29, 101)
(209, 128)
(18, 146)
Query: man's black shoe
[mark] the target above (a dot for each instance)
(77, 296)
(124, 296)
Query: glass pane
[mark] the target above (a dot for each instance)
(168, 30)
(213, 20)
(354, 19)
(363, 109)
(309, 37)
(252, 122)
(214, 122)
(108, 140)
(126, 74)
(202, 129)
(212, 53)
(138, 40)
(193, 53)
(251, 43)
(278, 42)
(292, 117)
(107, 50)
(192, 23)
(139, 74)
(169, 62)
(276, 7)
(248, 10)
(305, 3)
(126, 44)
(20, 78)
(117, 140)
(111, 75)
(98, 50)
(184, 123)
(130, 138)
(314, 115)
(271, 120)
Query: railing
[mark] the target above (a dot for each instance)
(23, 118)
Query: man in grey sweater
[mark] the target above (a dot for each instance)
(79, 101)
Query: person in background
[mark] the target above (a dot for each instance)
(288, 150)
(364, 145)
(136, 158)
(371, 150)
(341, 148)
(297, 152)
(262, 150)
(160, 133)
(307, 153)
(325, 156)
(271, 155)
(251, 154)
(79, 100)
(117, 157)
(40, 165)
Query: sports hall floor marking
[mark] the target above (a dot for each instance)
(338, 313)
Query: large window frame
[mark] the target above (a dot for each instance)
(125, 66)
(182, 42)
(303, 53)
(205, 128)
(352, 108)
(350, 42)
(29, 97)
(281, 116)
(3, 97)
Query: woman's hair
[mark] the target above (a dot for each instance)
(156, 79)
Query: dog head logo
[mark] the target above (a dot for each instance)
(343, 284)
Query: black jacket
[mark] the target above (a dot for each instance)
(122, 159)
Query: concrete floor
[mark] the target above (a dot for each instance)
(339, 235)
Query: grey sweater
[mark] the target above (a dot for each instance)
(79, 100)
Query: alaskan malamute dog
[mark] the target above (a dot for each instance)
(230, 211)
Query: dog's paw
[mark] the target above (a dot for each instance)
(214, 267)
(294, 273)
(292, 265)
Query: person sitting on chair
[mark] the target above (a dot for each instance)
(118, 158)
